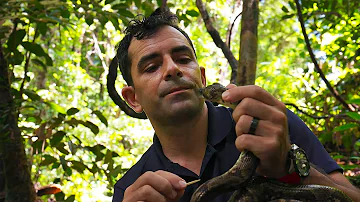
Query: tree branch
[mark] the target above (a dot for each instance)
(111, 77)
(312, 56)
(217, 40)
(248, 43)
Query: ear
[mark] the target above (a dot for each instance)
(128, 94)
(203, 76)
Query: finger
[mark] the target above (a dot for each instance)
(157, 182)
(264, 128)
(258, 109)
(238, 93)
(146, 193)
(256, 144)
(231, 86)
(176, 181)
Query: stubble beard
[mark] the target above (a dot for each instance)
(183, 114)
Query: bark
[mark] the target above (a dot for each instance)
(16, 172)
(248, 43)
(217, 40)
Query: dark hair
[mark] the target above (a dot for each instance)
(141, 28)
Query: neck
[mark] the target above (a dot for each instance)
(185, 143)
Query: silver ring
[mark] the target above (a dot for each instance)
(253, 126)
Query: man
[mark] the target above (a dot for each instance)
(195, 140)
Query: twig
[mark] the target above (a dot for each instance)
(230, 30)
(314, 116)
(192, 182)
(217, 39)
(312, 56)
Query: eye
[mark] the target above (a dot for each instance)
(184, 60)
(151, 68)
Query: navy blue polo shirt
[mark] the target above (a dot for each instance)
(221, 153)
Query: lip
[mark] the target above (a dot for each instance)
(176, 90)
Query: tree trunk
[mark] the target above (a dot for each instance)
(15, 170)
(248, 43)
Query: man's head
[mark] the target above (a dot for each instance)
(158, 61)
(142, 28)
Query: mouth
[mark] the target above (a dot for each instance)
(177, 90)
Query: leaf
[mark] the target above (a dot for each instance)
(125, 13)
(354, 115)
(91, 126)
(61, 148)
(32, 95)
(42, 27)
(34, 48)
(108, 157)
(17, 58)
(56, 107)
(78, 166)
(345, 127)
(72, 111)
(15, 39)
(287, 16)
(89, 20)
(39, 62)
(355, 101)
(70, 198)
(56, 138)
(285, 9)
(101, 117)
(192, 13)
(120, 6)
(48, 160)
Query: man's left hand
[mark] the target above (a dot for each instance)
(270, 141)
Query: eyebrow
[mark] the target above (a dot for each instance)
(181, 49)
(151, 56)
(146, 58)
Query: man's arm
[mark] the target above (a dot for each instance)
(334, 179)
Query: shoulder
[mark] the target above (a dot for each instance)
(301, 135)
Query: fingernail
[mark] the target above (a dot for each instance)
(182, 183)
(225, 95)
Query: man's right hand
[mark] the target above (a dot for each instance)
(159, 186)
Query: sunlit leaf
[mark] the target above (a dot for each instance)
(192, 13)
(56, 107)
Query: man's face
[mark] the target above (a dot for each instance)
(165, 75)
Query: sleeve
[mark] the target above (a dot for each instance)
(302, 136)
(118, 194)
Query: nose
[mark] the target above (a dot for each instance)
(172, 70)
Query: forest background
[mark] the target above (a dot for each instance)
(55, 57)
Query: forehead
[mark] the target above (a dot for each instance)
(163, 40)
